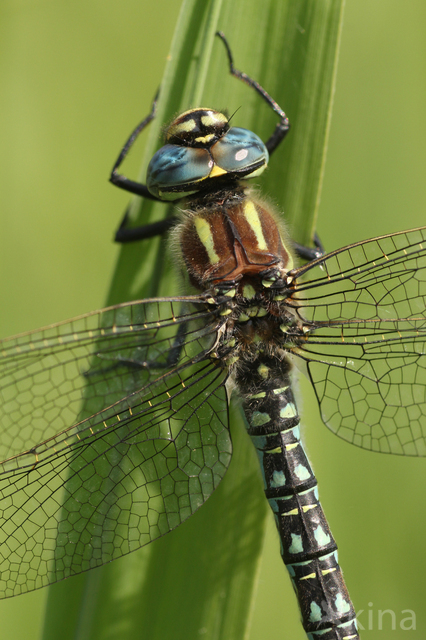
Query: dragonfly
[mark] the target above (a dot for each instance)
(115, 426)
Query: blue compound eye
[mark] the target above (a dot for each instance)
(238, 150)
(173, 168)
(176, 171)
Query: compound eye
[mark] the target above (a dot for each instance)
(238, 150)
(173, 170)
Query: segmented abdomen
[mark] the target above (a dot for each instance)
(308, 548)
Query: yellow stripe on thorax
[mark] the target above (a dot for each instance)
(252, 218)
(206, 238)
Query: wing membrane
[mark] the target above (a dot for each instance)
(151, 445)
(44, 373)
(365, 313)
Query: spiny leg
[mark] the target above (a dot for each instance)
(283, 125)
(121, 181)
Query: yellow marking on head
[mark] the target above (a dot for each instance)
(258, 171)
(217, 171)
(205, 139)
(173, 196)
(206, 238)
(182, 127)
(211, 119)
(253, 219)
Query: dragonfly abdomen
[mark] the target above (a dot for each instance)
(308, 548)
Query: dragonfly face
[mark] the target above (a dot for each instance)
(152, 441)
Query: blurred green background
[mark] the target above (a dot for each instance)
(75, 78)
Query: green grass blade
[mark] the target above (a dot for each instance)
(201, 579)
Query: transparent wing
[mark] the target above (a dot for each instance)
(364, 310)
(80, 487)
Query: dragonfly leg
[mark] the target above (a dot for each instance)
(283, 125)
(133, 364)
(310, 253)
(124, 234)
(121, 181)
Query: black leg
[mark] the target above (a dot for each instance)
(125, 235)
(121, 181)
(173, 357)
(309, 253)
(283, 125)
